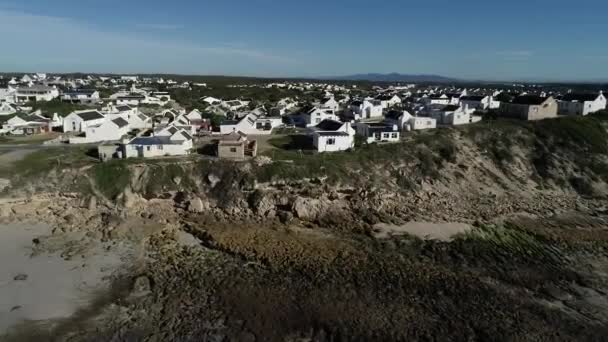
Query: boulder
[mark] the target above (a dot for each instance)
(285, 217)
(197, 205)
(141, 286)
(307, 209)
(4, 184)
(213, 180)
(92, 203)
(129, 198)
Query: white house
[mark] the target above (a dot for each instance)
(7, 94)
(177, 144)
(82, 96)
(234, 105)
(374, 132)
(78, 121)
(7, 109)
(333, 136)
(389, 101)
(194, 115)
(251, 124)
(455, 115)
(366, 109)
(35, 94)
(408, 122)
(581, 104)
(211, 100)
(442, 99)
(31, 124)
(315, 115)
(329, 103)
(287, 104)
(479, 102)
(109, 130)
(130, 100)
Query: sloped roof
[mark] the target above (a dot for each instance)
(450, 108)
(120, 122)
(580, 97)
(472, 98)
(89, 116)
(531, 100)
(329, 125)
(123, 108)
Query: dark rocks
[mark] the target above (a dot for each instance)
(20, 277)
(141, 286)
(285, 217)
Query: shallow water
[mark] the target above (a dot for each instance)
(423, 230)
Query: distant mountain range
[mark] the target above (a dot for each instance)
(394, 77)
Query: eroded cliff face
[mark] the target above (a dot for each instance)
(290, 250)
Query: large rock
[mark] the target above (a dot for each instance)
(129, 198)
(92, 203)
(307, 209)
(213, 180)
(4, 184)
(263, 204)
(197, 205)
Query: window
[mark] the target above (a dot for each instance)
(160, 147)
(331, 141)
(149, 148)
(318, 120)
(377, 136)
(233, 150)
(394, 135)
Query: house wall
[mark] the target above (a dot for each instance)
(151, 151)
(544, 111)
(341, 143)
(581, 108)
(418, 123)
(73, 123)
(458, 118)
(231, 152)
(317, 116)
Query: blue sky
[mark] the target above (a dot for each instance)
(474, 39)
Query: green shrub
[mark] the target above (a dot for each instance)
(111, 178)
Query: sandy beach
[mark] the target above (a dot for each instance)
(38, 284)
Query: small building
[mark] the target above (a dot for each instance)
(130, 99)
(366, 109)
(581, 104)
(408, 122)
(178, 144)
(375, 132)
(530, 107)
(252, 124)
(109, 130)
(236, 146)
(479, 102)
(315, 115)
(329, 103)
(79, 121)
(7, 109)
(389, 101)
(36, 93)
(333, 136)
(454, 115)
(81, 96)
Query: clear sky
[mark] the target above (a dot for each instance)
(473, 39)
